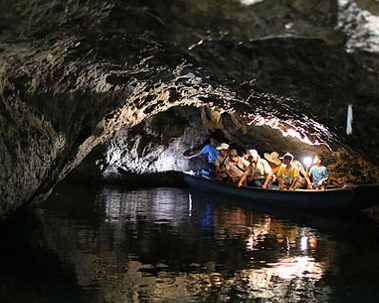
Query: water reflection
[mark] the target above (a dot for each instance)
(157, 205)
(166, 245)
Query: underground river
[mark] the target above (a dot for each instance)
(110, 244)
(118, 90)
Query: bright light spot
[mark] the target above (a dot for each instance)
(250, 2)
(298, 267)
(288, 129)
(293, 133)
(196, 44)
(250, 242)
(304, 243)
(307, 161)
(158, 205)
(288, 25)
(190, 204)
(349, 123)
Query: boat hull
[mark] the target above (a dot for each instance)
(328, 200)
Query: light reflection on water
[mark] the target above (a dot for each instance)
(166, 245)
(269, 253)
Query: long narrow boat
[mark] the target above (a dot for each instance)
(345, 199)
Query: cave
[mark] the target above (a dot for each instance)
(100, 102)
(82, 75)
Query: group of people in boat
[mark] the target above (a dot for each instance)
(283, 173)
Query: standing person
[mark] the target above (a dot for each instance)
(274, 162)
(303, 179)
(288, 174)
(211, 152)
(236, 166)
(258, 173)
(319, 173)
(221, 161)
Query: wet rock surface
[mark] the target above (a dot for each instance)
(74, 73)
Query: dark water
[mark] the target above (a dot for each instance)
(166, 245)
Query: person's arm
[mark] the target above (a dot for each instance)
(194, 155)
(294, 183)
(249, 172)
(243, 178)
(280, 179)
(268, 172)
(326, 177)
(268, 178)
(322, 181)
(306, 177)
(296, 176)
(273, 177)
(245, 164)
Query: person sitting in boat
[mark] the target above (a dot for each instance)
(304, 181)
(235, 166)
(221, 161)
(210, 151)
(259, 172)
(319, 173)
(248, 148)
(274, 162)
(288, 174)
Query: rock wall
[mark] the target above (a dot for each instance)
(157, 145)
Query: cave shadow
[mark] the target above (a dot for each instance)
(29, 270)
